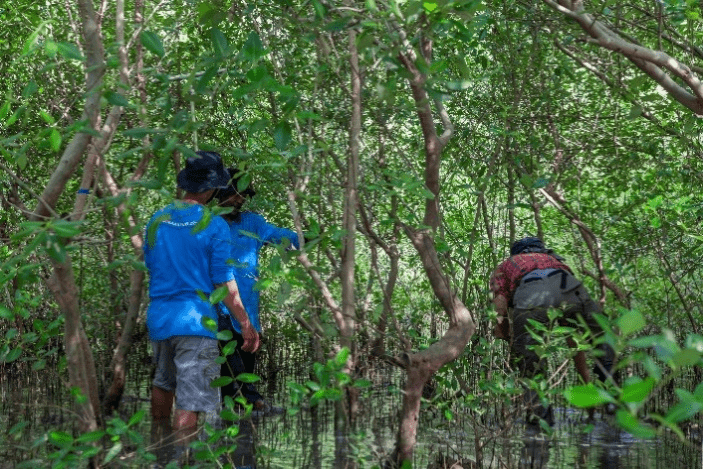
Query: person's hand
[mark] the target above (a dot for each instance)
(251, 338)
(502, 328)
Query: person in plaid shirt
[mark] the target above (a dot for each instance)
(525, 286)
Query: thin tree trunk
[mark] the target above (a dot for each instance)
(422, 365)
(81, 365)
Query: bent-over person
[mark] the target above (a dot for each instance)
(525, 286)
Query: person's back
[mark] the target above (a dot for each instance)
(185, 261)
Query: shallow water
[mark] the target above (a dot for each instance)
(306, 439)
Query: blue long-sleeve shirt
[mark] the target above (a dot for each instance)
(248, 236)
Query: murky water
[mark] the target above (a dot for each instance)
(33, 405)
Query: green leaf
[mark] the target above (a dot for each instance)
(630, 322)
(39, 364)
(15, 116)
(116, 99)
(282, 135)
(209, 74)
(4, 110)
(65, 229)
(637, 392)
(44, 115)
(203, 223)
(60, 439)
(55, 140)
(225, 335)
(90, 437)
(645, 342)
(114, 451)
(229, 348)
(635, 112)
(219, 43)
(153, 43)
(362, 383)
(30, 89)
(55, 250)
(320, 11)
(587, 396)
(686, 357)
(219, 294)
(69, 51)
(221, 381)
(247, 378)
(683, 411)
(253, 48)
(630, 423)
(209, 324)
(698, 393)
(14, 354)
(341, 358)
(6, 313)
(313, 385)
(136, 418)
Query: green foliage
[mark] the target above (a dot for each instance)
(663, 360)
(270, 91)
(329, 384)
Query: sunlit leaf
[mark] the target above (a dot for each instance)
(630, 423)
(247, 378)
(342, 356)
(69, 51)
(114, 451)
(221, 381)
(60, 438)
(630, 322)
(587, 396)
(209, 323)
(229, 348)
(90, 437)
(637, 392)
(136, 418)
(219, 294)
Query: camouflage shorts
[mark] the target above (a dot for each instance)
(186, 365)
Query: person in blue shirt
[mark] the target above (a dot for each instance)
(249, 232)
(186, 251)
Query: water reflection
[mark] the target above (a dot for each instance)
(307, 439)
(243, 456)
(535, 449)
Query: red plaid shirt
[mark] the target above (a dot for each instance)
(507, 276)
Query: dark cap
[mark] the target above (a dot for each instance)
(529, 244)
(203, 172)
